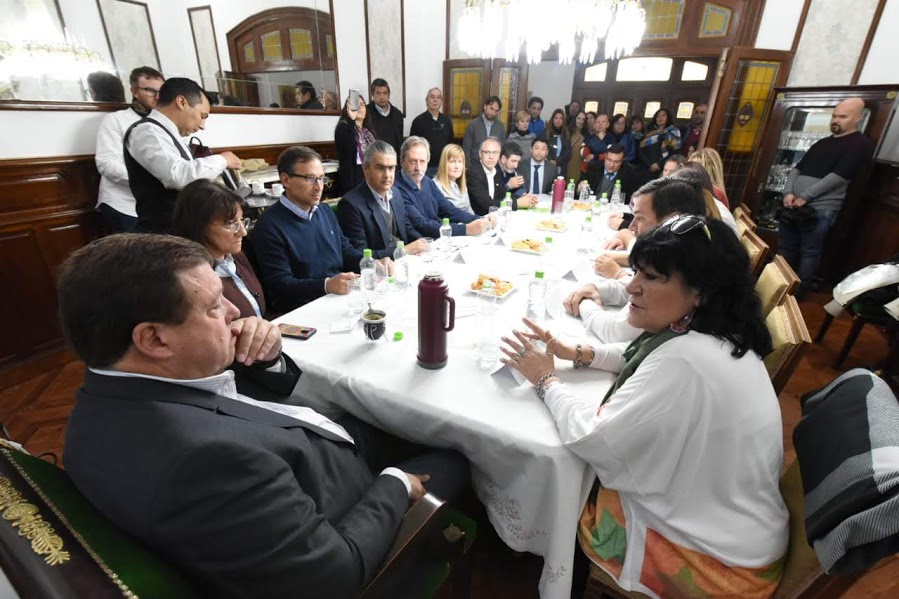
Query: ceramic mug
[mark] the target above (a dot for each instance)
(258, 188)
(277, 189)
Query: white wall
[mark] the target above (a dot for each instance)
(880, 66)
(425, 50)
(778, 26)
(552, 82)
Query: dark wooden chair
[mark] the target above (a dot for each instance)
(55, 545)
(862, 313)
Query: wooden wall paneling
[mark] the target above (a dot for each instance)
(876, 239)
(34, 187)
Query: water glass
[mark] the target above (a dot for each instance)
(488, 353)
(554, 298)
(354, 297)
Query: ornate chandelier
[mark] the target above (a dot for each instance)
(506, 28)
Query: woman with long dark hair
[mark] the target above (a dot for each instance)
(556, 135)
(622, 135)
(577, 133)
(661, 140)
(687, 444)
(351, 137)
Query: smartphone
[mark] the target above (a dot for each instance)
(296, 331)
(354, 99)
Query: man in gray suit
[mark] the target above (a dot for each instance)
(483, 126)
(539, 173)
(180, 438)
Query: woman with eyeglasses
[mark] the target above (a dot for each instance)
(351, 137)
(211, 215)
(687, 443)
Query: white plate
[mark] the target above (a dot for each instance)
(499, 297)
(563, 228)
(528, 251)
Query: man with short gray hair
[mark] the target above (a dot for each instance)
(371, 215)
(435, 127)
(425, 204)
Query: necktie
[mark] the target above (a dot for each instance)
(535, 186)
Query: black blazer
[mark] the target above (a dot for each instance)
(549, 175)
(363, 223)
(482, 193)
(349, 174)
(631, 180)
(248, 502)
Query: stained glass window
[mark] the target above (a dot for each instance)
(684, 110)
(620, 108)
(301, 43)
(715, 20)
(650, 109)
(271, 46)
(249, 52)
(663, 19)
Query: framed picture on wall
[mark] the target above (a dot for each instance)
(129, 33)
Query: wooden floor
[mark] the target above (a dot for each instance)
(35, 414)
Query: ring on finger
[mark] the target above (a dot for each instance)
(520, 353)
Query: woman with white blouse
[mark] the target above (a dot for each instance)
(450, 177)
(687, 444)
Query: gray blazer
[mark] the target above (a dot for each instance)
(476, 133)
(248, 502)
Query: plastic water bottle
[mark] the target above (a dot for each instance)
(569, 197)
(505, 212)
(617, 200)
(488, 350)
(369, 274)
(446, 234)
(400, 266)
(585, 193)
(537, 296)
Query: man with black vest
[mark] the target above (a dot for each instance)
(159, 163)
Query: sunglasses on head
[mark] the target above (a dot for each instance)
(684, 223)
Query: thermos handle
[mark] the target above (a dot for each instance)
(452, 314)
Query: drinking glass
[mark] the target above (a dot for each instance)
(354, 297)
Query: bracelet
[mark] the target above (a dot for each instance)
(578, 361)
(541, 381)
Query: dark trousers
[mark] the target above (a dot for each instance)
(448, 469)
(802, 249)
(115, 221)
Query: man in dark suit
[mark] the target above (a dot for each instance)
(484, 181)
(248, 496)
(539, 173)
(602, 175)
(371, 215)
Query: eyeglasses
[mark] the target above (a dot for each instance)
(684, 223)
(149, 90)
(235, 225)
(490, 152)
(312, 179)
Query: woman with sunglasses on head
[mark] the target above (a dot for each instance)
(351, 137)
(687, 444)
(211, 215)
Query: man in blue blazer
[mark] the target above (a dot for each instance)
(371, 215)
(180, 437)
(426, 206)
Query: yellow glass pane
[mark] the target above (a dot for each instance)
(756, 79)
(663, 19)
(271, 46)
(715, 20)
(620, 108)
(684, 110)
(329, 41)
(650, 109)
(466, 98)
(694, 71)
(591, 106)
(508, 92)
(301, 43)
(249, 52)
(596, 73)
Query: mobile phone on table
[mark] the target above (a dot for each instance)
(354, 99)
(296, 331)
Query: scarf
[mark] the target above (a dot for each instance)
(634, 355)
(668, 137)
(139, 108)
(363, 139)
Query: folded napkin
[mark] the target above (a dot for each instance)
(253, 164)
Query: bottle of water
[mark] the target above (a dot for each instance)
(446, 234)
(617, 200)
(505, 212)
(585, 193)
(488, 350)
(537, 296)
(569, 197)
(369, 274)
(400, 266)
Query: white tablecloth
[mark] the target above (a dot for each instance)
(532, 486)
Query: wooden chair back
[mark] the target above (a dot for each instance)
(790, 338)
(757, 248)
(776, 281)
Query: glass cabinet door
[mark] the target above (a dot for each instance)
(802, 127)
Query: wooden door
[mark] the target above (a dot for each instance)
(509, 82)
(741, 100)
(466, 84)
(242, 87)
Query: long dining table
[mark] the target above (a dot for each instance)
(532, 486)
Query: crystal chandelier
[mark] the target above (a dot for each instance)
(505, 28)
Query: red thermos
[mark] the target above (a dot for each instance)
(434, 320)
(558, 195)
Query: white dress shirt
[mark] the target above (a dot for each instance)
(114, 189)
(152, 148)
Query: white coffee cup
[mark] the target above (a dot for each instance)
(258, 188)
(277, 189)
